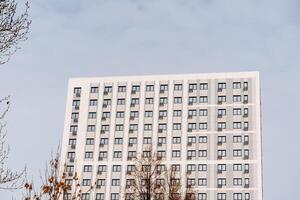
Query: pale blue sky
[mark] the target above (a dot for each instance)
(110, 37)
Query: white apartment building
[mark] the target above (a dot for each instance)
(207, 125)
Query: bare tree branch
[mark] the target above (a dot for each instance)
(14, 28)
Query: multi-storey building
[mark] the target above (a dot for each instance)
(208, 125)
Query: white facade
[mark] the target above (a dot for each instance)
(209, 124)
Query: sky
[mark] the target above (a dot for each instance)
(74, 38)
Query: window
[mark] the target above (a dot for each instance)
(161, 154)
(191, 167)
(192, 126)
(104, 141)
(237, 153)
(203, 86)
(192, 113)
(191, 153)
(104, 128)
(202, 153)
(85, 196)
(202, 181)
(237, 139)
(116, 168)
(106, 115)
(149, 88)
(135, 88)
(221, 99)
(203, 112)
(132, 140)
(107, 89)
(147, 127)
(221, 167)
(221, 153)
(192, 87)
(191, 181)
(177, 100)
(221, 139)
(86, 182)
(122, 88)
(94, 89)
(133, 127)
(115, 182)
(177, 87)
(202, 167)
(115, 196)
(76, 103)
(163, 113)
(202, 196)
(221, 125)
(93, 102)
(72, 141)
(246, 99)
(221, 196)
(221, 86)
(121, 102)
(74, 115)
(202, 139)
(237, 196)
(192, 100)
(118, 141)
(237, 125)
(120, 114)
(148, 114)
(176, 140)
(101, 182)
(175, 167)
(176, 126)
(237, 181)
(236, 85)
(91, 128)
(89, 141)
(102, 155)
(203, 99)
(177, 113)
(161, 140)
(135, 101)
(119, 127)
(236, 98)
(246, 112)
(176, 154)
(191, 139)
(88, 155)
(106, 102)
(73, 128)
(149, 101)
(77, 90)
(237, 111)
(92, 115)
(117, 154)
(202, 126)
(147, 140)
(247, 196)
(131, 154)
(163, 88)
(163, 100)
(237, 167)
(221, 112)
(102, 168)
(87, 168)
(134, 114)
(162, 126)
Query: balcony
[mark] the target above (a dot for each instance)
(77, 94)
(220, 157)
(190, 103)
(246, 171)
(246, 157)
(246, 142)
(132, 105)
(70, 173)
(245, 88)
(104, 105)
(246, 128)
(247, 185)
(220, 185)
(75, 120)
(133, 91)
(189, 143)
(132, 118)
(220, 115)
(73, 146)
(103, 118)
(189, 157)
(76, 107)
(245, 115)
(102, 131)
(99, 172)
(160, 130)
(161, 104)
(220, 143)
(161, 117)
(105, 92)
(219, 171)
(220, 128)
(71, 160)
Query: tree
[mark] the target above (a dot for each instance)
(9, 179)
(14, 28)
(56, 184)
(150, 179)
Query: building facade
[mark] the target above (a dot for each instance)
(207, 124)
